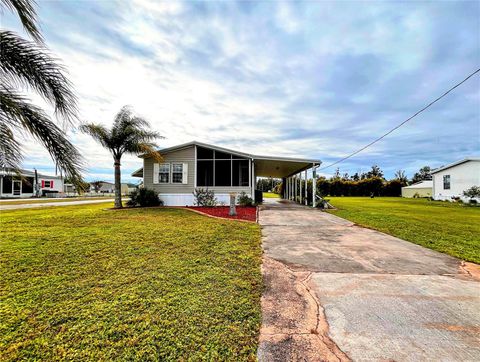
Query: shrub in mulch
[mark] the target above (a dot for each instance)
(243, 212)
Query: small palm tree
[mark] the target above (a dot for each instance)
(28, 64)
(129, 134)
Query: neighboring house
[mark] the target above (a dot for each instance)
(418, 189)
(109, 188)
(451, 180)
(26, 184)
(199, 165)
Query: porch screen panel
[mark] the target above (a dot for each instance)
(240, 173)
(7, 185)
(223, 173)
(27, 185)
(205, 173)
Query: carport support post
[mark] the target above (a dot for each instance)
(314, 186)
(300, 182)
(306, 189)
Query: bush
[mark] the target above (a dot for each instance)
(472, 192)
(144, 197)
(204, 197)
(244, 199)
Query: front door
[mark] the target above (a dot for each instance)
(17, 187)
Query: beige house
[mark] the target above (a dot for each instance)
(199, 165)
(418, 189)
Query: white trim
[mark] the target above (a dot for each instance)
(195, 169)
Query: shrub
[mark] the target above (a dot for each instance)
(472, 192)
(244, 199)
(204, 197)
(144, 197)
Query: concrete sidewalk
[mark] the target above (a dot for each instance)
(336, 291)
(48, 204)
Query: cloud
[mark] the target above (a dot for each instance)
(314, 79)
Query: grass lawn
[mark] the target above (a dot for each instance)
(270, 195)
(82, 283)
(41, 201)
(443, 226)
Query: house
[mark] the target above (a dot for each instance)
(452, 180)
(418, 189)
(28, 184)
(199, 165)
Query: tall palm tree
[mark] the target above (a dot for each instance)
(27, 64)
(129, 134)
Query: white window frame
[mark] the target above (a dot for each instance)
(445, 182)
(181, 172)
(167, 172)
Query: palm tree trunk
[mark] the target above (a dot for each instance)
(118, 185)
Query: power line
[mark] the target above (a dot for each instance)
(401, 124)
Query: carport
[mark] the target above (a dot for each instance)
(292, 171)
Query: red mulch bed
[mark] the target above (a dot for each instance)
(243, 212)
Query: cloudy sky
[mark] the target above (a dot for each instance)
(312, 79)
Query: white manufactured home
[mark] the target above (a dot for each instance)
(26, 184)
(418, 189)
(450, 181)
(199, 165)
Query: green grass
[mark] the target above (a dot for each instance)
(85, 283)
(41, 201)
(270, 195)
(443, 226)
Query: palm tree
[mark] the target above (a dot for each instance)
(28, 64)
(129, 134)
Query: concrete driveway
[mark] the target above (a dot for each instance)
(336, 291)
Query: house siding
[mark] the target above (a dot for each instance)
(462, 177)
(182, 194)
(186, 155)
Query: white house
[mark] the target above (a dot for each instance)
(27, 184)
(418, 189)
(451, 180)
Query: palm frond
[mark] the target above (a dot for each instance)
(148, 149)
(98, 132)
(17, 112)
(10, 150)
(27, 63)
(28, 16)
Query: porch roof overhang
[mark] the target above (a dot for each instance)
(281, 167)
(138, 173)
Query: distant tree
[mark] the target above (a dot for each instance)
(425, 173)
(400, 176)
(129, 134)
(336, 175)
(355, 177)
(345, 176)
(27, 64)
(374, 172)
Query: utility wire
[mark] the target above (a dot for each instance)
(401, 124)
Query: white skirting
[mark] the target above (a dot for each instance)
(189, 200)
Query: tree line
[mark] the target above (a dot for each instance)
(370, 183)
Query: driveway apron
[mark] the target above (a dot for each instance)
(335, 291)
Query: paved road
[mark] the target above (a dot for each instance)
(336, 291)
(48, 204)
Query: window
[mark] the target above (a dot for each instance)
(177, 173)
(47, 184)
(446, 182)
(164, 173)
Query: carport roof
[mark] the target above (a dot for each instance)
(265, 166)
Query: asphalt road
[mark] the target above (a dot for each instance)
(49, 204)
(336, 291)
